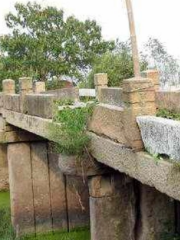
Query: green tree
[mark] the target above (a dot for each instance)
(42, 43)
(158, 57)
(118, 64)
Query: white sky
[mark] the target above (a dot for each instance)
(154, 18)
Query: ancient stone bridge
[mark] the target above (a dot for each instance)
(129, 195)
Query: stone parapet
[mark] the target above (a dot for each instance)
(108, 120)
(112, 96)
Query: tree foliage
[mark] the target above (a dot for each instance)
(157, 57)
(44, 43)
(118, 64)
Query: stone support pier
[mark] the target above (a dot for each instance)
(112, 207)
(41, 198)
(156, 217)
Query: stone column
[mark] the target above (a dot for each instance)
(37, 189)
(8, 86)
(100, 81)
(25, 87)
(139, 99)
(154, 76)
(4, 177)
(112, 207)
(39, 87)
(157, 214)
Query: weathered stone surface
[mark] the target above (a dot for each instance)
(12, 102)
(58, 196)
(113, 212)
(41, 187)
(4, 176)
(39, 87)
(157, 214)
(112, 96)
(8, 86)
(65, 93)
(84, 167)
(139, 99)
(40, 105)
(108, 120)
(33, 124)
(25, 83)
(160, 136)
(163, 175)
(137, 85)
(154, 76)
(100, 79)
(21, 190)
(77, 202)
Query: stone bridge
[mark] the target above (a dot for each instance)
(123, 194)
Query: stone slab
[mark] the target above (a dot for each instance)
(58, 194)
(40, 105)
(21, 190)
(112, 96)
(113, 215)
(108, 120)
(4, 176)
(65, 93)
(157, 214)
(160, 136)
(41, 187)
(36, 125)
(163, 175)
(77, 202)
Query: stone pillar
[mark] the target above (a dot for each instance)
(39, 87)
(4, 176)
(77, 202)
(25, 87)
(154, 76)
(112, 207)
(139, 99)
(157, 215)
(100, 81)
(8, 86)
(37, 189)
(21, 189)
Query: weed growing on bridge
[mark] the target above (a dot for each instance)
(164, 113)
(71, 137)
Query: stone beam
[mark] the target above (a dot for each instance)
(33, 124)
(161, 174)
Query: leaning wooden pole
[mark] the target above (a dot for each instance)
(133, 39)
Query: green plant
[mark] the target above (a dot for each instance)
(165, 113)
(71, 137)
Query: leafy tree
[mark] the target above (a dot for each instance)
(118, 64)
(43, 43)
(157, 57)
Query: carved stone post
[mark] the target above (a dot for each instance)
(154, 76)
(100, 81)
(139, 99)
(8, 86)
(25, 87)
(39, 87)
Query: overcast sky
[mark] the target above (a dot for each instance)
(154, 18)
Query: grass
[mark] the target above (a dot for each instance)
(6, 231)
(71, 138)
(164, 113)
